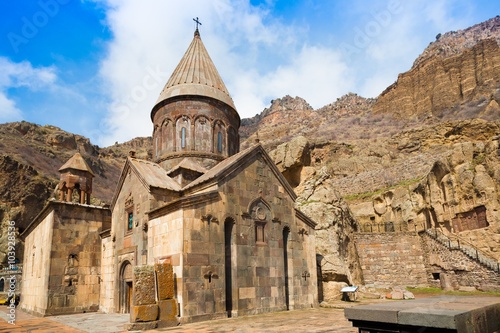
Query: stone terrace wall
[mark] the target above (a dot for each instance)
(391, 259)
(463, 270)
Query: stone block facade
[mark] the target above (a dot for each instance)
(227, 246)
(63, 259)
(168, 311)
(411, 259)
(107, 300)
(392, 259)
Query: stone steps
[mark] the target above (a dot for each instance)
(469, 250)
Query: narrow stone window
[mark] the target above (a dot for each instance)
(130, 221)
(183, 137)
(219, 142)
(259, 232)
(32, 264)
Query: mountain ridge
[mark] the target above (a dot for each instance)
(356, 149)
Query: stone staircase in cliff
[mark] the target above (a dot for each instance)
(453, 242)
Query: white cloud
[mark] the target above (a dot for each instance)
(396, 34)
(149, 40)
(258, 58)
(8, 110)
(316, 73)
(440, 15)
(16, 75)
(23, 74)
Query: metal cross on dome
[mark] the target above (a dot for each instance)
(197, 20)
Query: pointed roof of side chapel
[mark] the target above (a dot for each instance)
(76, 162)
(196, 75)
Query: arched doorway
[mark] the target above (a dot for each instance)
(228, 266)
(286, 233)
(2, 284)
(126, 287)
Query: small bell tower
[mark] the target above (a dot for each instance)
(76, 177)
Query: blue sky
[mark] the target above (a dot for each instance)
(96, 68)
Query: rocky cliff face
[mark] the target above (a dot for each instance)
(458, 195)
(407, 157)
(30, 156)
(457, 76)
(454, 43)
(349, 117)
(276, 124)
(426, 177)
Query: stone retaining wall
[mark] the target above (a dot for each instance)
(391, 259)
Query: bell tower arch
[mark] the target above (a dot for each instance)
(75, 182)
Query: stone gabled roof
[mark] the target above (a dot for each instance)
(150, 174)
(189, 165)
(196, 75)
(153, 175)
(76, 162)
(230, 165)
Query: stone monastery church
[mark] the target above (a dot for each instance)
(203, 231)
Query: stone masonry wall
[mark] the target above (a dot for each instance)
(63, 259)
(260, 212)
(391, 259)
(463, 271)
(36, 267)
(75, 263)
(106, 301)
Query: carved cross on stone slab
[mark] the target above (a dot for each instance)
(305, 275)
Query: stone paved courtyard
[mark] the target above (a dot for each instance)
(311, 320)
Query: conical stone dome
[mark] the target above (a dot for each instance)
(196, 75)
(194, 116)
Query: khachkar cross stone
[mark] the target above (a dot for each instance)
(197, 20)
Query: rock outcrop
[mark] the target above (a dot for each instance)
(30, 156)
(23, 192)
(458, 76)
(459, 194)
(291, 157)
(317, 197)
(349, 117)
(456, 42)
(335, 249)
(286, 118)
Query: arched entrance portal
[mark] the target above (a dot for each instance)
(125, 287)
